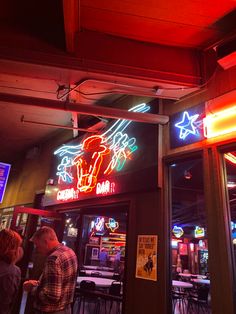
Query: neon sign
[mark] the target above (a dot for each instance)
(177, 231)
(99, 224)
(112, 224)
(105, 187)
(193, 125)
(233, 225)
(220, 123)
(187, 125)
(230, 157)
(83, 166)
(199, 232)
(67, 194)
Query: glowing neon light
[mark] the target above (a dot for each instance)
(87, 173)
(187, 125)
(174, 243)
(202, 244)
(97, 155)
(199, 232)
(67, 194)
(112, 224)
(230, 157)
(191, 246)
(99, 224)
(64, 174)
(233, 225)
(177, 231)
(105, 187)
(220, 123)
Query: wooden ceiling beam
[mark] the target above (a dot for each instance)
(71, 10)
(105, 53)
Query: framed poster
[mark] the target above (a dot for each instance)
(4, 173)
(146, 261)
(95, 253)
(183, 249)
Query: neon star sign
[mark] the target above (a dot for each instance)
(96, 157)
(187, 125)
(112, 224)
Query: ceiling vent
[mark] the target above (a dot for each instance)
(226, 54)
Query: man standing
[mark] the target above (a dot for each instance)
(54, 290)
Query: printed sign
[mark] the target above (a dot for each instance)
(4, 173)
(146, 263)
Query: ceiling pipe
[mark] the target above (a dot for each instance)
(120, 88)
(92, 110)
(58, 126)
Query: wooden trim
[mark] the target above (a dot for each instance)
(71, 10)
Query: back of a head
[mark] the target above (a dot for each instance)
(10, 242)
(45, 233)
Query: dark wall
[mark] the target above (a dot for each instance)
(145, 218)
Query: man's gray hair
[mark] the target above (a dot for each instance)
(45, 232)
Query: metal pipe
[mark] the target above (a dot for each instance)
(55, 125)
(92, 110)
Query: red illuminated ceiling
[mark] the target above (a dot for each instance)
(177, 22)
(112, 48)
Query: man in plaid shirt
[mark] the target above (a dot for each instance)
(54, 290)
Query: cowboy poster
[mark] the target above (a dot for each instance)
(146, 262)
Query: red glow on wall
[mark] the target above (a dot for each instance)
(220, 123)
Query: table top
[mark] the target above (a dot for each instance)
(98, 268)
(185, 274)
(202, 281)
(99, 282)
(181, 284)
(195, 275)
(107, 274)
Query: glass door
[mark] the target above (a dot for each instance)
(189, 238)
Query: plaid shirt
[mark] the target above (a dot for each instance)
(57, 282)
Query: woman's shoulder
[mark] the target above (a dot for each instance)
(9, 269)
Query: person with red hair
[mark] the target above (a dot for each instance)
(10, 275)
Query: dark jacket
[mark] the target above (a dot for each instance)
(10, 276)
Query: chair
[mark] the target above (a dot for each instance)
(200, 300)
(82, 272)
(96, 274)
(178, 297)
(115, 290)
(116, 277)
(86, 295)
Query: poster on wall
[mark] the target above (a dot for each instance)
(146, 262)
(4, 173)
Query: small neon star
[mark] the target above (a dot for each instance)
(186, 125)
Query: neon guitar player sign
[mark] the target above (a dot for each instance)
(82, 167)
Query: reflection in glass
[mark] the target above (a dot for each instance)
(189, 242)
(230, 160)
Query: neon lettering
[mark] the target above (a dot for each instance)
(67, 194)
(105, 187)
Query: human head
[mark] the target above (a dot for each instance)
(45, 239)
(10, 242)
